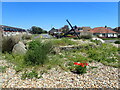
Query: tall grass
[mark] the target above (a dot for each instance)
(37, 52)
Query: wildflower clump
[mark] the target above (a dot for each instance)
(80, 68)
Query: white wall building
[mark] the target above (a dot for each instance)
(8, 31)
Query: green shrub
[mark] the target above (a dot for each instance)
(117, 42)
(37, 52)
(34, 44)
(9, 42)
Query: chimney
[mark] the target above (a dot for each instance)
(105, 26)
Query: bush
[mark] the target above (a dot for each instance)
(9, 42)
(34, 44)
(117, 42)
(37, 52)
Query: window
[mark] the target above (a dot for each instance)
(103, 34)
(4, 33)
(8, 28)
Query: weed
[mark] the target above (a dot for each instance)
(3, 69)
(18, 68)
(92, 67)
(43, 71)
(30, 75)
(49, 67)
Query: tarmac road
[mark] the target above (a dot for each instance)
(43, 36)
(110, 41)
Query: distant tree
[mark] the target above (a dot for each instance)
(36, 30)
(44, 31)
(65, 29)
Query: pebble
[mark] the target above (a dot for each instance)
(103, 76)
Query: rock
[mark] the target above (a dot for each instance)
(98, 39)
(19, 48)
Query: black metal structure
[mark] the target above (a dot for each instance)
(72, 29)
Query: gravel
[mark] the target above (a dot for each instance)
(101, 77)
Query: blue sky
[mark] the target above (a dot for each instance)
(60, 0)
(54, 14)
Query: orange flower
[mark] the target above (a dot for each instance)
(81, 64)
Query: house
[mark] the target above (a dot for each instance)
(117, 29)
(8, 30)
(103, 32)
(53, 31)
(86, 28)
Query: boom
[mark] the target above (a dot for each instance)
(72, 29)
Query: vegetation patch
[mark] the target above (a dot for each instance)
(3, 69)
(37, 52)
(30, 75)
(63, 42)
(39, 57)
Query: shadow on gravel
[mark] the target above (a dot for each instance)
(75, 72)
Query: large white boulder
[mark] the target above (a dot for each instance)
(19, 48)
